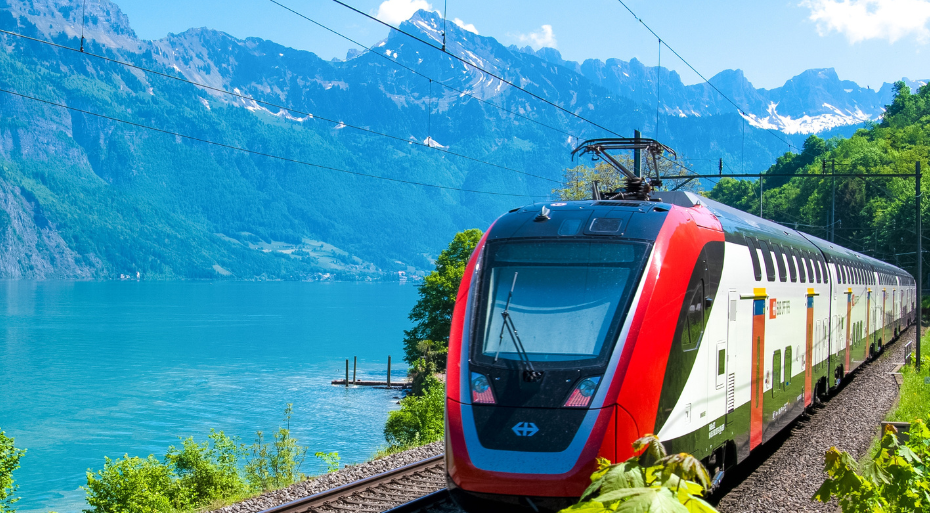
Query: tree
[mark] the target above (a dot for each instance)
(433, 311)
(9, 461)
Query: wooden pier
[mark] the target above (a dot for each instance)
(378, 384)
(384, 384)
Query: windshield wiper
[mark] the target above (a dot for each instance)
(529, 373)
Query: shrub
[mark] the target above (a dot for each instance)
(133, 485)
(209, 471)
(9, 461)
(196, 475)
(895, 479)
(331, 459)
(277, 464)
(651, 482)
(419, 420)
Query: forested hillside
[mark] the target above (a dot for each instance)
(873, 215)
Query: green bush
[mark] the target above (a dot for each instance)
(331, 459)
(277, 464)
(133, 485)
(209, 471)
(895, 479)
(419, 420)
(651, 482)
(9, 461)
(196, 475)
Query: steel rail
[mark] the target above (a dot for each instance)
(346, 490)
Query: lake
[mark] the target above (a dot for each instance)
(94, 369)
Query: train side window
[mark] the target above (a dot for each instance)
(800, 260)
(767, 258)
(792, 270)
(694, 320)
(787, 366)
(756, 268)
(780, 261)
(776, 372)
(721, 361)
(826, 271)
(817, 269)
(844, 279)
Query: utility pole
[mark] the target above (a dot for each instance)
(920, 259)
(637, 157)
(761, 189)
(833, 205)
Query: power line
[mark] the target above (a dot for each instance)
(475, 66)
(275, 105)
(415, 72)
(253, 152)
(727, 98)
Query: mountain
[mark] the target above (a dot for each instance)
(297, 186)
(812, 102)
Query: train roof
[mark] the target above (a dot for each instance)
(738, 224)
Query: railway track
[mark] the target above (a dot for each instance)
(416, 487)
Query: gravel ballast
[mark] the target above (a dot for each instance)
(334, 479)
(788, 478)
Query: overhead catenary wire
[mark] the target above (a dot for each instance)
(277, 106)
(418, 73)
(475, 66)
(254, 152)
(715, 88)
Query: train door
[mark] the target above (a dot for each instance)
(849, 302)
(733, 303)
(758, 372)
(809, 349)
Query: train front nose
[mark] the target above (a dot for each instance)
(528, 416)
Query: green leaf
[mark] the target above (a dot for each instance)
(586, 507)
(653, 500)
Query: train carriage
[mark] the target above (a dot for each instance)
(581, 325)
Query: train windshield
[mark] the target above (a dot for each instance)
(555, 301)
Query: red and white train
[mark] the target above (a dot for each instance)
(580, 326)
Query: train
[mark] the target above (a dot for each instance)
(580, 326)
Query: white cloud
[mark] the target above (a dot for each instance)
(540, 38)
(467, 26)
(860, 20)
(397, 11)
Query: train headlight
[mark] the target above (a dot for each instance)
(583, 392)
(481, 389)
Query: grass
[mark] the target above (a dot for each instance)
(914, 399)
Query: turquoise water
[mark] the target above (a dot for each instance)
(94, 369)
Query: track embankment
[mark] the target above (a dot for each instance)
(333, 480)
(786, 475)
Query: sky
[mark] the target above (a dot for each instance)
(867, 41)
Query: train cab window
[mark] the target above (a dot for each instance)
(767, 258)
(792, 270)
(780, 261)
(694, 320)
(756, 268)
(776, 372)
(566, 298)
(788, 366)
(800, 261)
